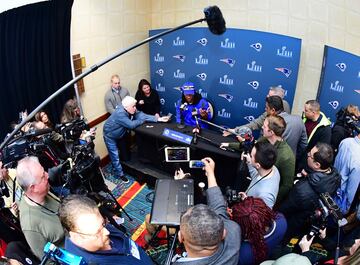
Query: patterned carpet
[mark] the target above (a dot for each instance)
(136, 199)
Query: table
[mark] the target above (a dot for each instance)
(151, 144)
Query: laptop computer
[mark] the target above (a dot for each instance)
(171, 199)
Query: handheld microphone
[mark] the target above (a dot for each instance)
(61, 255)
(183, 106)
(215, 20)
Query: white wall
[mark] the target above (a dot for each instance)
(100, 27)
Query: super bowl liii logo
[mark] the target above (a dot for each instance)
(203, 93)
(283, 52)
(226, 44)
(337, 87)
(178, 42)
(252, 67)
(179, 75)
(158, 58)
(249, 103)
(225, 80)
(224, 114)
(201, 60)
(160, 88)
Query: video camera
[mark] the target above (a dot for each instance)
(232, 196)
(72, 130)
(328, 208)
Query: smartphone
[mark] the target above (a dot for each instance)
(196, 164)
(169, 115)
(177, 154)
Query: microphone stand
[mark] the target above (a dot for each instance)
(181, 125)
(196, 130)
(89, 71)
(219, 127)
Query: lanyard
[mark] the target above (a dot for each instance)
(258, 181)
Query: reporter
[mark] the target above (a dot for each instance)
(206, 231)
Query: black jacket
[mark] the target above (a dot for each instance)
(304, 197)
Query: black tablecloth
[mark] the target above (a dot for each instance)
(151, 144)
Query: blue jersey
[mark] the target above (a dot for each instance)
(187, 112)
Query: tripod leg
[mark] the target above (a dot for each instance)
(106, 189)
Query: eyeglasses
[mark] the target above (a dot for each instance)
(309, 155)
(103, 225)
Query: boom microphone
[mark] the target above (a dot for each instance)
(215, 20)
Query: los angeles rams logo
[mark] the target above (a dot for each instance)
(159, 41)
(257, 46)
(341, 66)
(334, 104)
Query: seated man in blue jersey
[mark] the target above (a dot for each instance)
(192, 104)
(90, 237)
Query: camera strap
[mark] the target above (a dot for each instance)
(258, 181)
(42, 206)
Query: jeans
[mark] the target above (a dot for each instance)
(113, 146)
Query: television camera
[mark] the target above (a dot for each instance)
(319, 218)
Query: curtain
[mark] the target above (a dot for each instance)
(34, 59)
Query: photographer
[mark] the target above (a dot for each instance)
(265, 177)
(304, 197)
(344, 125)
(206, 231)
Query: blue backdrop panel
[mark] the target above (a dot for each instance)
(233, 71)
(340, 81)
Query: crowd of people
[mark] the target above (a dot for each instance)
(291, 165)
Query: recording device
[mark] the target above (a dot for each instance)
(177, 154)
(215, 20)
(196, 164)
(232, 196)
(169, 115)
(72, 130)
(61, 256)
(318, 219)
(353, 124)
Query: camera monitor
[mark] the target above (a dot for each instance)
(177, 154)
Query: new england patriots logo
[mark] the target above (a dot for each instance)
(228, 97)
(159, 41)
(202, 76)
(228, 61)
(202, 41)
(178, 88)
(180, 57)
(249, 118)
(285, 71)
(357, 91)
(334, 104)
(341, 66)
(254, 84)
(160, 72)
(257, 46)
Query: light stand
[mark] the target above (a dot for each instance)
(216, 25)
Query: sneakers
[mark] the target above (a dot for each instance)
(124, 179)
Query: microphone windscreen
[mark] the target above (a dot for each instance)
(215, 20)
(245, 132)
